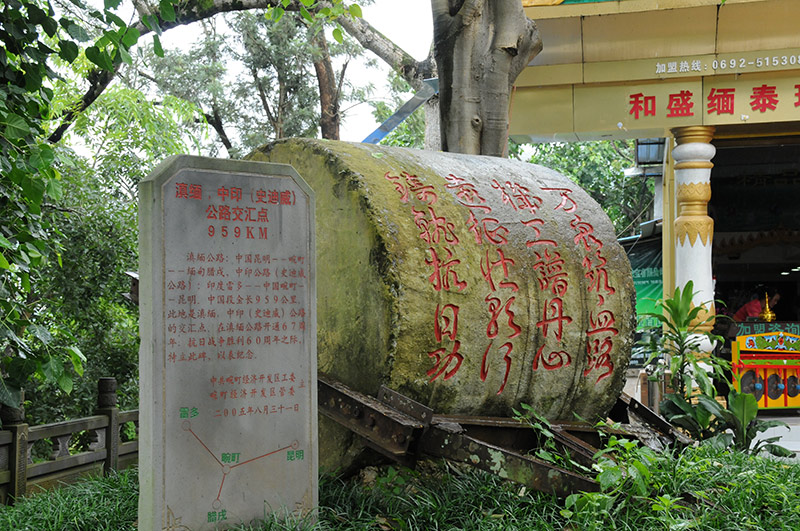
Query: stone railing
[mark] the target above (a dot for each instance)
(102, 451)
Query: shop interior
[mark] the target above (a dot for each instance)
(755, 204)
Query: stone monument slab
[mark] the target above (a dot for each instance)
(228, 402)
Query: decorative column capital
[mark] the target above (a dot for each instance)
(694, 133)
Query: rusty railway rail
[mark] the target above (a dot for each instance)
(402, 430)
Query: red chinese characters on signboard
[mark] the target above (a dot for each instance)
(255, 394)
(763, 98)
(482, 226)
(500, 310)
(225, 308)
(189, 191)
(680, 104)
(230, 218)
(641, 104)
(719, 101)
(495, 266)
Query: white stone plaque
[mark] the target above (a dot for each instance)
(228, 401)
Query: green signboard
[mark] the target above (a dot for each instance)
(645, 257)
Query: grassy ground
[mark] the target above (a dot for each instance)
(697, 489)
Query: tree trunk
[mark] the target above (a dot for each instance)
(433, 134)
(481, 46)
(328, 89)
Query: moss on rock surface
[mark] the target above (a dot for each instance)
(468, 283)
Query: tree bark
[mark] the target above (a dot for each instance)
(433, 136)
(329, 117)
(481, 46)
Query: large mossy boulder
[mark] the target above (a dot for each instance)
(468, 283)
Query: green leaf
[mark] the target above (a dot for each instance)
(277, 14)
(33, 189)
(77, 32)
(99, 57)
(125, 56)
(778, 450)
(4, 242)
(41, 333)
(68, 50)
(65, 382)
(159, 51)
(167, 10)
(131, 37)
(42, 156)
(52, 369)
(16, 127)
(151, 21)
(77, 358)
(54, 189)
(609, 478)
(113, 18)
(305, 14)
(25, 280)
(111, 4)
(50, 26)
(4, 263)
(337, 35)
(355, 10)
(744, 406)
(10, 395)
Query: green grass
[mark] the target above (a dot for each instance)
(100, 504)
(699, 488)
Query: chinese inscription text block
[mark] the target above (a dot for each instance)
(228, 354)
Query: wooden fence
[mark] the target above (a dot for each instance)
(21, 474)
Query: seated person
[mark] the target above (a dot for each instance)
(756, 304)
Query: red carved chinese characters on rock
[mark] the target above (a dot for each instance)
(439, 234)
(600, 334)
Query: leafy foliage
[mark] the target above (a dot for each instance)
(37, 340)
(315, 11)
(123, 136)
(30, 35)
(699, 488)
(681, 341)
(275, 95)
(598, 168)
(741, 425)
(700, 414)
(411, 132)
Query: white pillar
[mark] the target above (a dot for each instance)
(694, 230)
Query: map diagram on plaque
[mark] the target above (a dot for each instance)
(233, 459)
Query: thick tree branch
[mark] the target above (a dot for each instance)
(98, 83)
(215, 121)
(481, 47)
(402, 62)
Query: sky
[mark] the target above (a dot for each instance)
(407, 23)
